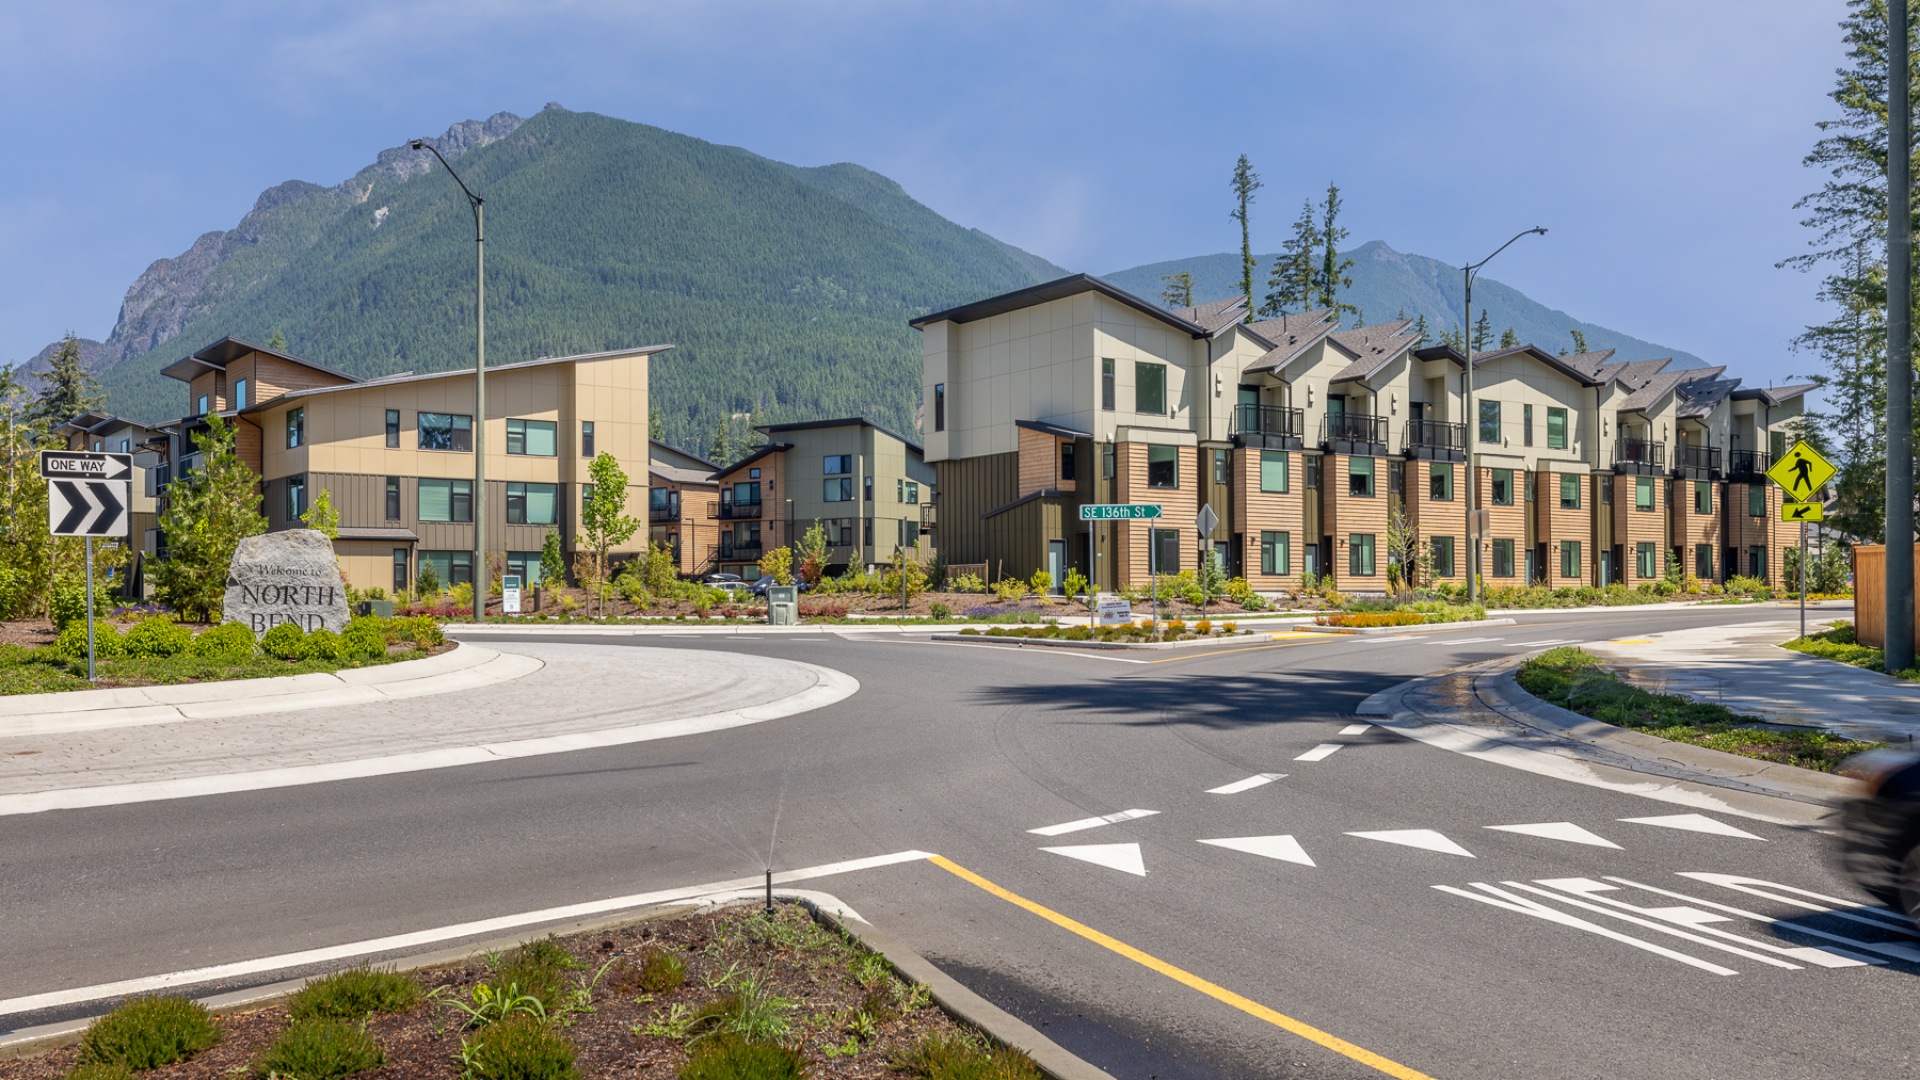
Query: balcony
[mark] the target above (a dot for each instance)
(1639, 456)
(1435, 440)
(1747, 466)
(1268, 427)
(929, 517)
(738, 511)
(739, 551)
(1360, 434)
(1696, 462)
(660, 515)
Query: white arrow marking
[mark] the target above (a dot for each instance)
(1091, 823)
(1424, 839)
(1694, 823)
(1124, 857)
(1319, 753)
(1558, 830)
(1284, 848)
(1251, 782)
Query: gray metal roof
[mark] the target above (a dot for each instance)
(674, 475)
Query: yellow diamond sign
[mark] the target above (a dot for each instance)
(1806, 511)
(1801, 471)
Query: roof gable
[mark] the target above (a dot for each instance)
(1058, 289)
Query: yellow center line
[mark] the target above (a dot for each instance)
(1219, 993)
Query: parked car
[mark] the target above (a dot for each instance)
(1880, 830)
(767, 581)
(715, 579)
(737, 587)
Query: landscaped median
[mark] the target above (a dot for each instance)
(1837, 643)
(1578, 681)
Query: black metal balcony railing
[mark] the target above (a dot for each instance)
(733, 551)
(1639, 455)
(1746, 464)
(1436, 439)
(659, 514)
(737, 511)
(1270, 426)
(1701, 462)
(1350, 433)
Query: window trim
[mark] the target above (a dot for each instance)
(420, 426)
(296, 428)
(394, 493)
(426, 483)
(393, 429)
(586, 438)
(1555, 412)
(1569, 482)
(1175, 463)
(1495, 480)
(549, 426)
(295, 507)
(1358, 543)
(1354, 473)
(1489, 414)
(1141, 369)
(1443, 471)
(940, 406)
(1269, 457)
(1108, 382)
(1276, 552)
(524, 495)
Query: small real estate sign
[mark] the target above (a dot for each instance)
(285, 577)
(510, 594)
(1111, 609)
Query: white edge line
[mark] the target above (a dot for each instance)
(192, 976)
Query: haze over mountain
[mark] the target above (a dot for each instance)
(786, 289)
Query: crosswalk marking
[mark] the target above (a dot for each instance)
(1319, 753)
(1251, 782)
(1355, 729)
(1091, 823)
(1541, 644)
(1461, 641)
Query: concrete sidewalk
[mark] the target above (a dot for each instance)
(1744, 668)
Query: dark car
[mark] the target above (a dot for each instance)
(1880, 830)
(767, 581)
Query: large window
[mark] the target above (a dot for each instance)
(393, 429)
(393, 498)
(296, 497)
(1645, 560)
(746, 493)
(533, 438)
(586, 439)
(1489, 421)
(401, 577)
(1703, 498)
(1166, 551)
(1360, 477)
(910, 492)
(1360, 554)
(1440, 482)
(240, 393)
(1569, 491)
(1502, 485)
(1756, 501)
(837, 489)
(939, 406)
(451, 567)
(445, 500)
(1106, 384)
(1222, 467)
(1442, 556)
(1163, 466)
(1066, 461)
(1757, 562)
(1503, 558)
(1276, 553)
(533, 504)
(1150, 388)
(1526, 425)
(837, 465)
(1556, 429)
(296, 428)
(1569, 558)
(1643, 495)
(1703, 561)
(445, 431)
(1274, 475)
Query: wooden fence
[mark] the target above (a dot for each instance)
(1870, 594)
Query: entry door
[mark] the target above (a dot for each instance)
(1057, 563)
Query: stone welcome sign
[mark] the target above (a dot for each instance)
(285, 577)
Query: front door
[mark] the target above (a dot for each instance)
(1057, 563)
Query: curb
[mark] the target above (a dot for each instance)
(969, 1007)
(1010, 640)
(1417, 628)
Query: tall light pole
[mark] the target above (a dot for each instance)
(1469, 424)
(1898, 639)
(482, 579)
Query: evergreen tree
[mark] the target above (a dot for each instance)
(278, 342)
(1482, 332)
(66, 390)
(1244, 183)
(209, 511)
(1579, 340)
(720, 450)
(1421, 335)
(1178, 291)
(1290, 282)
(1332, 276)
(1508, 339)
(1454, 339)
(656, 422)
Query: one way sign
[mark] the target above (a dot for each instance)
(87, 508)
(80, 465)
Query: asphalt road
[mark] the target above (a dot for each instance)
(1449, 946)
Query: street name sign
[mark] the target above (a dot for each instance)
(80, 465)
(83, 508)
(1803, 511)
(1119, 511)
(1801, 471)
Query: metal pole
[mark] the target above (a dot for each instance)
(1469, 428)
(1803, 578)
(1091, 584)
(1899, 600)
(89, 609)
(1153, 574)
(482, 576)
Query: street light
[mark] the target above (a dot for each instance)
(1467, 273)
(482, 579)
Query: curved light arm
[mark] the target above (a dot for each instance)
(1470, 268)
(422, 144)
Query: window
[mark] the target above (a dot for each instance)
(746, 493)
(1396, 476)
(393, 498)
(445, 431)
(586, 496)
(1756, 501)
(1703, 498)
(200, 406)
(939, 406)
(1360, 554)
(586, 438)
(1643, 495)
(1757, 562)
(1529, 481)
(1166, 551)
(753, 474)
(1276, 552)
(867, 532)
(1503, 558)
(1442, 556)
(1066, 461)
(1644, 560)
(445, 500)
(1360, 477)
(393, 429)
(837, 489)
(1526, 425)
(1556, 429)
(531, 438)
(400, 575)
(296, 427)
(1489, 421)
(1605, 487)
(868, 486)
(1569, 558)
(1106, 461)
(1222, 467)
(1777, 442)
(1569, 491)
(240, 393)
(1274, 472)
(1440, 482)
(1150, 388)
(837, 465)
(126, 445)
(296, 497)
(1312, 462)
(1106, 384)
(913, 493)
(96, 446)
(526, 564)
(533, 504)
(1703, 561)
(1502, 488)
(1163, 466)
(451, 567)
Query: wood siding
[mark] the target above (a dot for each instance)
(1768, 531)
(1687, 530)
(1431, 517)
(1040, 463)
(1632, 527)
(1554, 524)
(1503, 523)
(1348, 515)
(1255, 511)
(1179, 507)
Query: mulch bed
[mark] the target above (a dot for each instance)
(798, 959)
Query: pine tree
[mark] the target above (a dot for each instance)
(1331, 277)
(1579, 340)
(656, 422)
(209, 511)
(1508, 339)
(1290, 283)
(1454, 339)
(278, 342)
(1420, 332)
(1482, 332)
(1178, 291)
(720, 450)
(1244, 183)
(66, 390)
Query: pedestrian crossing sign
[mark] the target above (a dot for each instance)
(1803, 511)
(1802, 472)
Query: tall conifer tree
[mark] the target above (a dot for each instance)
(1331, 277)
(1244, 183)
(67, 389)
(1290, 283)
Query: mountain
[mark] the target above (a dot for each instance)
(1387, 282)
(787, 290)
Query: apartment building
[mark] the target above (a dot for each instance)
(870, 488)
(105, 433)
(683, 506)
(396, 453)
(1315, 445)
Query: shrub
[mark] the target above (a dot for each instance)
(285, 642)
(962, 1057)
(157, 635)
(940, 611)
(661, 971)
(1203, 627)
(320, 1049)
(732, 1059)
(1041, 582)
(100, 1070)
(1076, 583)
(1229, 628)
(352, 994)
(1010, 589)
(324, 644)
(536, 969)
(228, 643)
(148, 1032)
(1371, 618)
(518, 1048)
(422, 631)
(71, 644)
(968, 583)
(365, 638)
(1238, 590)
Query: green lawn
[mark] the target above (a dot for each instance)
(26, 670)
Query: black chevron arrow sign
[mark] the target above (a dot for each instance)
(83, 508)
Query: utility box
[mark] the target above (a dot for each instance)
(783, 605)
(381, 608)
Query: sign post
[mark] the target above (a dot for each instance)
(1206, 523)
(87, 496)
(1802, 472)
(1124, 512)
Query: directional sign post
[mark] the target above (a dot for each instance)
(1802, 472)
(1205, 523)
(87, 495)
(1120, 512)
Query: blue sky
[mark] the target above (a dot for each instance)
(1660, 141)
